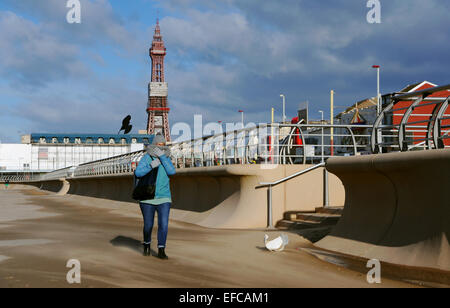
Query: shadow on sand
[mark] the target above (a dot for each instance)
(131, 243)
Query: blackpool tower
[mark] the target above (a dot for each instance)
(157, 108)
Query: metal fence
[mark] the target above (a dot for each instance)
(122, 164)
(58, 174)
(19, 177)
(274, 144)
(407, 127)
(294, 143)
(265, 144)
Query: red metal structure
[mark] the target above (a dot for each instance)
(157, 109)
(422, 113)
(416, 118)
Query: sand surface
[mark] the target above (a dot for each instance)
(40, 232)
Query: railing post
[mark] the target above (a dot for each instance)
(326, 193)
(270, 208)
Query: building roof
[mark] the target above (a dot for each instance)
(363, 104)
(86, 138)
(415, 86)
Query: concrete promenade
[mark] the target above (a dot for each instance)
(40, 232)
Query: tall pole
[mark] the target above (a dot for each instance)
(332, 121)
(321, 122)
(271, 136)
(326, 197)
(284, 107)
(378, 89)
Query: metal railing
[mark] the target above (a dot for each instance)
(122, 164)
(58, 174)
(396, 129)
(264, 144)
(273, 184)
(19, 177)
(274, 144)
(296, 143)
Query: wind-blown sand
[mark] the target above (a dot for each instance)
(39, 233)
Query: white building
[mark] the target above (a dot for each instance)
(47, 152)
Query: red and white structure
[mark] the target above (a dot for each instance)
(418, 117)
(421, 113)
(157, 109)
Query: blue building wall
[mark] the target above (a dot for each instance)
(90, 138)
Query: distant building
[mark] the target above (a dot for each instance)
(362, 112)
(47, 152)
(365, 112)
(421, 114)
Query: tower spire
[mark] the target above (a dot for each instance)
(157, 28)
(158, 120)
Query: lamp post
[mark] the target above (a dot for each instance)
(284, 107)
(378, 89)
(332, 122)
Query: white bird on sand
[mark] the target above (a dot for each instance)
(277, 244)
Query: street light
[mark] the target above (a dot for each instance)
(284, 107)
(378, 89)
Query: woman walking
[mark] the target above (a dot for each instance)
(157, 157)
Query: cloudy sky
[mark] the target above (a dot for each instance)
(223, 55)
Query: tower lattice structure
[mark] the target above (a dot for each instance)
(157, 108)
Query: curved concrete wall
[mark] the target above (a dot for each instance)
(61, 187)
(220, 196)
(118, 188)
(397, 208)
(13, 186)
(225, 196)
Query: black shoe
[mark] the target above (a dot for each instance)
(162, 254)
(146, 250)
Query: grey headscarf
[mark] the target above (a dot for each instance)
(158, 138)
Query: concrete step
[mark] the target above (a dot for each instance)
(318, 218)
(300, 220)
(330, 210)
(296, 225)
(293, 214)
(319, 211)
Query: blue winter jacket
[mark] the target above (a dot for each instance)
(165, 170)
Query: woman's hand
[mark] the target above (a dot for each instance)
(155, 163)
(158, 152)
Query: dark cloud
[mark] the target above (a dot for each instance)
(305, 48)
(222, 56)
